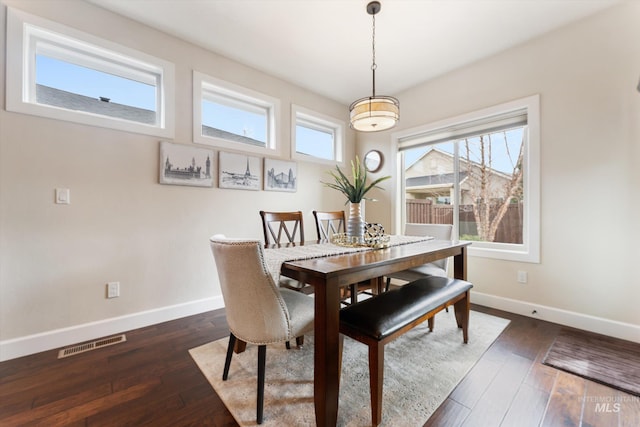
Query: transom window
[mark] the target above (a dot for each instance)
(61, 73)
(479, 172)
(316, 136)
(231, 116)
(82, 86)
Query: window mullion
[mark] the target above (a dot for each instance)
(456, 189)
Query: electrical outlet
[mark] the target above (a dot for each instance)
(113, 289)
(522, 277)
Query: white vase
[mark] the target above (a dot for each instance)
(355, 224)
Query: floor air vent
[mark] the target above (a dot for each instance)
(88, 346)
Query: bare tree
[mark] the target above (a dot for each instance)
(491, 200)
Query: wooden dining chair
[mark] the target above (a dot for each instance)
(289, 225)
(285, 228)
(328, 224)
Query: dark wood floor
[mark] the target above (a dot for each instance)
(152, 380)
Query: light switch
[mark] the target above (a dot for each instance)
(522, 276)
(63, 197)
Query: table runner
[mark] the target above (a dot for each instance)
(274, 257)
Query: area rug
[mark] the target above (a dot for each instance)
(606, 360)
(421, 369)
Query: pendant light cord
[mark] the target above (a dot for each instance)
(373, 56)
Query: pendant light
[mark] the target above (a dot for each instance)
(374, 113)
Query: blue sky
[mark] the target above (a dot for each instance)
(84, 81)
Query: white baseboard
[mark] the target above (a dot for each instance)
(31, 344)
(23, 346)
(612, 328)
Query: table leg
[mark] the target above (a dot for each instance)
(326, 360)
(460, 264)
(379, 284)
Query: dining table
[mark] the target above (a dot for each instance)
(328, 274)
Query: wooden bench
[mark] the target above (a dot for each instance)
(381, 319)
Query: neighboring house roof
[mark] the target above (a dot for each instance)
(426, 153)
(439, 180)
(444, 176)
(72, 101)
(219, 133)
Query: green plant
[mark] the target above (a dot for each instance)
(356, 189)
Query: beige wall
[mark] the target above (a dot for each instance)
(121, 224)
(586, 75)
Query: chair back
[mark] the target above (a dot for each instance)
(287, 224)
(256, 311)
(439, 231)
(329, 223)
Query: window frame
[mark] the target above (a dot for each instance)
(529, 250)
(27, 35)
(320, 122)
(234, 94)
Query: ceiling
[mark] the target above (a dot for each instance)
(325, 45)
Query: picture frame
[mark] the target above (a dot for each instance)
(182, 164)
(280, 175)
(239, 171)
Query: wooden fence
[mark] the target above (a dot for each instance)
(426, 212)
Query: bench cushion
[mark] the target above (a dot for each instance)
(384, 314)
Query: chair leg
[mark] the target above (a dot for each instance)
(431, 322)
(376, 378)
(227, 361)
(262, 357)
(461, 310)
(386, 287)
(300, 341)
(288, 345)
(457, 311)
(240, 346)
(354, 293)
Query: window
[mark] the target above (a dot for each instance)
(316, 137)
(234, 117)
(57, 72)
(479, 172)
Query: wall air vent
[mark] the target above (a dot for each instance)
(88, 346)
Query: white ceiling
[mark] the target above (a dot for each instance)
(325, 45)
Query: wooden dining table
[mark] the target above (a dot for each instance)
(329, 274)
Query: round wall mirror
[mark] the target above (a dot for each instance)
(373, 161)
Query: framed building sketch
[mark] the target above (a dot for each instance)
(280, 175)
(239, 171)
(182, 164)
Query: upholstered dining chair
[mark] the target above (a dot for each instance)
(327, 224)
(436, 268)
(285, 228)
(258, 312)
